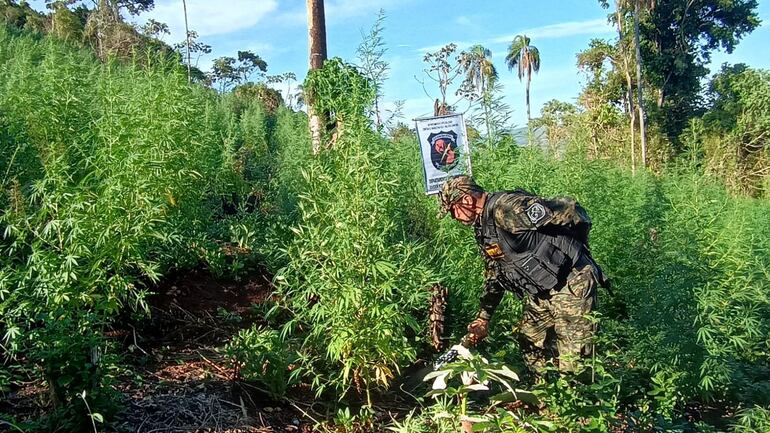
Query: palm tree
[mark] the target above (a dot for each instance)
(480, 76)
(524, 57)
(480, 73)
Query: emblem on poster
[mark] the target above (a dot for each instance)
(443, 150)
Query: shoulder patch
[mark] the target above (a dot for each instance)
(536, 212)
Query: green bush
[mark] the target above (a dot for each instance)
(353, 285)
(350, 282)
(753, 420)
(261, 355)
(112, 175)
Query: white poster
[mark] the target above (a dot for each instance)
(444, 148)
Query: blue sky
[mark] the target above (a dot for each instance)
(277, 31)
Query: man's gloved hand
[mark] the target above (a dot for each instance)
(478, 330)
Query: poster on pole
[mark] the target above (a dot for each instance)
(444, 148)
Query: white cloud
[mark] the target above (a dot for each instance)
(209, 17)
(292, 18)
(461, 45)
(463, 21)
(339, 11)
(562, 30)
(342, 9)
(552, 31)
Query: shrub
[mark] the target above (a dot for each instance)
(262, 356)
(112, 175)
(353, 284)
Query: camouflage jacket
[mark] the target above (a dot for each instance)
(529, 244)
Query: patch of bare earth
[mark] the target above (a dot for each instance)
(181, 381)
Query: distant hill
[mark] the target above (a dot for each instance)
(538, 136)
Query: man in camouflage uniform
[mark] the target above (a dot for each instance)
(537, 249)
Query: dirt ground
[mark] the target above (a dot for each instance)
(186, 384)
(177, 380)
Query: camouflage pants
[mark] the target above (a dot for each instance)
(557, 325)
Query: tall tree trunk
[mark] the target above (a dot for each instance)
(629, 83)
(187, 33)
(289, 98)
(316, 25)
(529, 79)
(488, 121)
(377, 116)
(529, 118)
(115, 7)
(99, 21)
(53, 18)
(640, 101)
(485, 101)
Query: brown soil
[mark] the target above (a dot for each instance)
(199, 292)
(187, 384)
(179, 380)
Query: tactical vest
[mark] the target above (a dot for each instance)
(537, 269)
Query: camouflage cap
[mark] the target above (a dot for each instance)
(454, 189)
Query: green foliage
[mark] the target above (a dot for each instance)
(678, 38)
(342, 91)
(80, 369)
(585, 407)
(522, 56)
(556, 117)
(65, 25)
(753, 420)
(22, 16)
(372, 65)
(525, 58)
(111, 176)
(474, 374)
(262, 356)
(474, 396)
(351, 282)
(346, 421)
(731, 140)
(230, 71)
(411, 423)
(716, 259)
(443, 71)
(114, 175)
(268, 97)
(481, 86)
(353, 285)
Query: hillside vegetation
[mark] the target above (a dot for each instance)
(117, 173)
